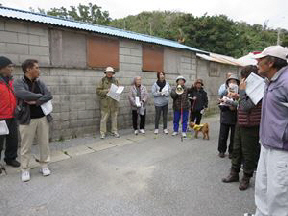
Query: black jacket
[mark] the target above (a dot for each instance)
(201, 101)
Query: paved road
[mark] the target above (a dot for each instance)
(134, 175)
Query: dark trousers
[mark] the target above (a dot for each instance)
(135, 119)
(11, 140)
(196, 115)
(245, 149)
(158, 110)
(223, 136)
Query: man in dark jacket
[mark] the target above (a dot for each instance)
(7, 109)
(32, 94)
(246, 140)
(199, 101)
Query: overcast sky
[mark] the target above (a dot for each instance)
(250, 11)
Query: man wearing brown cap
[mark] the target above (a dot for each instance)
(271, 185)
(108, 105)
(7, 111)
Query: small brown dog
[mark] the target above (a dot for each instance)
(204, 128)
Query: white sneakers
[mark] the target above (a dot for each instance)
(184, 135)
(136, 132)
(175, 133)
(142, 131)
(156, 131)
(45, 171)
(26, 174)
(116, 134)
(102, 136)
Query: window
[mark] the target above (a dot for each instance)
(153, 58)
(102, 52)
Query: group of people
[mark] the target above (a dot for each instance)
(192, 99)
(21, 102)
(252, 125)
(265, 122)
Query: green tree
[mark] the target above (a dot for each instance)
(90, 13)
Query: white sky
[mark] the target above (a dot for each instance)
(250, 11)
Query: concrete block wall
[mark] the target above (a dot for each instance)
(20, 40)
(76, 107)
(213, 82)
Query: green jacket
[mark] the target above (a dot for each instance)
(107, 103)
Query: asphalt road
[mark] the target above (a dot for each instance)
(142, 176)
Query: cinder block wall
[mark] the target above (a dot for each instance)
(76, 107)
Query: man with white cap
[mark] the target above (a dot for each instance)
(271, 186)
(109, 106)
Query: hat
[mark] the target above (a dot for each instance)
(199, 81)
(235, 77)
(109, 69)
(275, 51)
(180, 77)
(4, 62)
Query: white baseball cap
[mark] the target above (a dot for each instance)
(109, 69)
(180, 77)
(275, 51)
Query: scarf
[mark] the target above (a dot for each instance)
(161, 84)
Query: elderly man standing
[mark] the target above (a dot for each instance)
(109, 106)
(7, 109)
(271, 186)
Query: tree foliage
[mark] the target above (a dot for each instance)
(90, 13)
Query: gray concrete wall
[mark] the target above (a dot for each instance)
(19, 41)
(63, 67)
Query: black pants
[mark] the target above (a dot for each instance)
(135, 120)
(223, 136)
(245, 149)
(158, 110)
(11, 140)
(195, 115)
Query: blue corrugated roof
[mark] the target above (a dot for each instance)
(41, 18)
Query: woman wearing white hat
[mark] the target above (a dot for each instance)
(181, 105)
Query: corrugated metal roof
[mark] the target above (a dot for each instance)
(220, 59)
(44, 19)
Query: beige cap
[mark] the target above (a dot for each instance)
(275, 51)
(109, 69)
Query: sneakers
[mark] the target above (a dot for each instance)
(184, 135)
(156, 131)
(25, 176)
(116, 134)
(12, 163)
(142, 131)
(45, 171)
(248, 214)
(166, 131)
(175, 133)
(136, 132)
(102, 136)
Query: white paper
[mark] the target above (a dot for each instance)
(255, 86)
(115, 92)
(3, 128)
(47, 107)
(120, 89)
(137, 101)
(285, 104)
